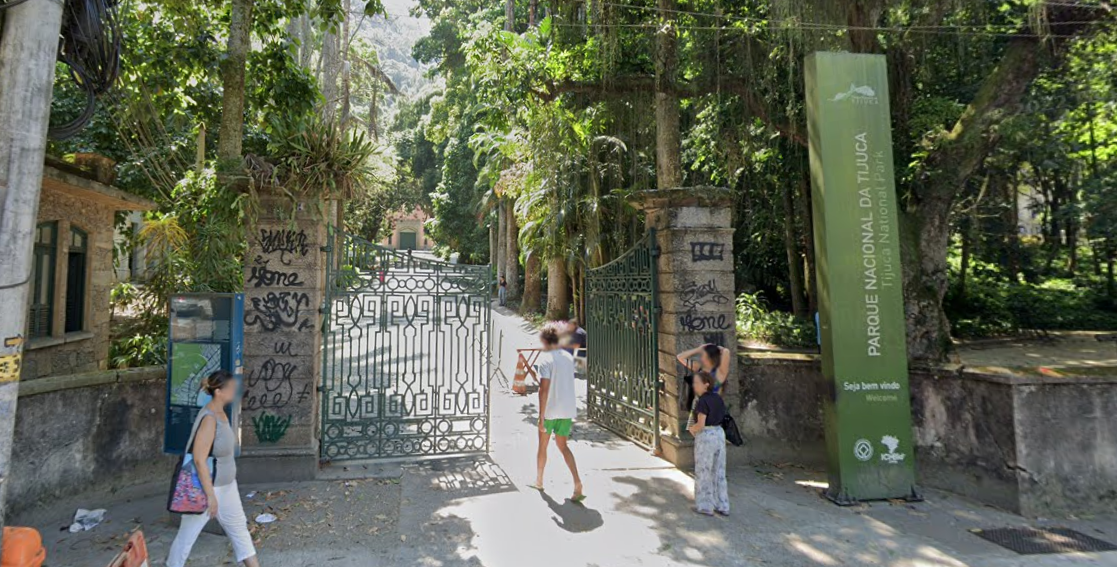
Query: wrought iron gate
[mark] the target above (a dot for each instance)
(404, 371)
(622, 311)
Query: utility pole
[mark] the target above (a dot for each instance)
(28, 50)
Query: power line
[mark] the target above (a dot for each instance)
(980, 29)
(650, 26)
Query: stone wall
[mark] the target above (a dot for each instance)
(283, 288)
(1035, 445)
(88, 349)
(102, 430)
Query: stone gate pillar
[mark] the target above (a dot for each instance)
(694, 233)
(284, 282)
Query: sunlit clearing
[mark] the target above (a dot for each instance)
(813, 484)
(810, 551)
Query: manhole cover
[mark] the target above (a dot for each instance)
(1034, 541)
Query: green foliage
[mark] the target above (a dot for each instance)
(994, 305)
(314, 155)
(140, 349)
(757, 322)
(199, 247)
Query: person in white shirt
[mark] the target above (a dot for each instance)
(558, 406)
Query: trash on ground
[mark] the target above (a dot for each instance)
(265, 518)
(250, 495)
(85, 520)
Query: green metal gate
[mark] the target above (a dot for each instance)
(404, 371)
(622, 310)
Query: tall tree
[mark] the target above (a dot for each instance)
(231, 138)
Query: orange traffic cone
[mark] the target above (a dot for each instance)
(519, 381)
(23, 547)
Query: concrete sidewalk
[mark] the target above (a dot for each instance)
(478, 511)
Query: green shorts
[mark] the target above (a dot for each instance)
(559, 427)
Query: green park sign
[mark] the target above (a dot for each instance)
(861, 309)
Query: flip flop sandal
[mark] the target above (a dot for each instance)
(578, 499)
(536, 487)
(701, 513)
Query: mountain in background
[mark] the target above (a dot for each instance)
(393, 37)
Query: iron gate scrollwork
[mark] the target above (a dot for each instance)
(622, 312)
(404, 370)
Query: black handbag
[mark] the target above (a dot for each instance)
(732, 434)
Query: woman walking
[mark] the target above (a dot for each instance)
(502, 293)
(212, 431)
(711, 492)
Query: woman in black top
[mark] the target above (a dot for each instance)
(711, 492)
(502, 293)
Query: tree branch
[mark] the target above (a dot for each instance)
(645, 84)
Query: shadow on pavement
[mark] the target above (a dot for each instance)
(573, 517)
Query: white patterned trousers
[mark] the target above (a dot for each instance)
(711, 492)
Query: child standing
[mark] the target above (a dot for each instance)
(711, 492)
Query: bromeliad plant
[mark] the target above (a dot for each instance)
(315, 156)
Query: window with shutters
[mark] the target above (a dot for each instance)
(76, 267)
(42, 282)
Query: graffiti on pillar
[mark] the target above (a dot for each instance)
(269, 386)
(694, 322)
(699, 294)
(286, 310)
(707, 251)
(270, 428)
(264, 276)
(288, 243)
(696, 294)
(276, 379)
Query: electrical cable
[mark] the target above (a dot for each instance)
(10, 3)
(90, 47)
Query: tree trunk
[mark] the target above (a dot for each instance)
(501, 240)
(558, 290)
(668, 165)
(533, 284)
(305, 35)
(1110, 280)
(964, 266)
(373, 128)
(512, 249)
(329, 73)
(808, 242)
(492, 247)
(232, 81)
(794, 262)
(509, 15)
(926, 220)
(345, 66)
(533, 8)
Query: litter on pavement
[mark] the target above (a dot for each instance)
(85, 520)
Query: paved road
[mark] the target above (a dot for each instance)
(479, 512)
